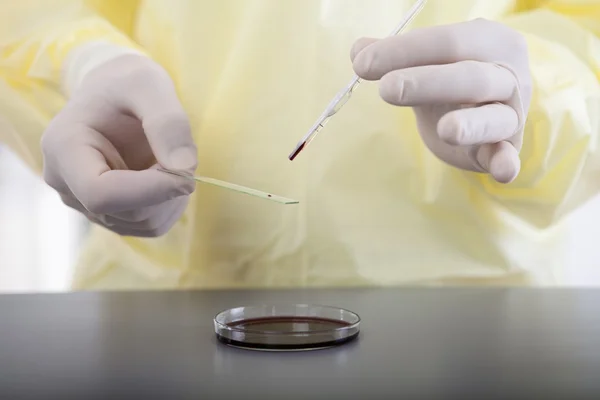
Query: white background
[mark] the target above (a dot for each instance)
(39, 236)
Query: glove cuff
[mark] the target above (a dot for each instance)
(83, 59)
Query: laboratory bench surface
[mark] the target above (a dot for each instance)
(414, 344)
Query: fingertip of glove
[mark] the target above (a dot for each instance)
(181, 187)
(362, 61)
(502, 163)
(183, 159)
(504, 172)
(360, 45)
(187, 188)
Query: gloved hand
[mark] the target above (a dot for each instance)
(101, 151)
(469, 86)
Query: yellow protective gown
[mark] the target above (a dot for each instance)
(376, 207)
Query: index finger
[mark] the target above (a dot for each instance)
(435, 45)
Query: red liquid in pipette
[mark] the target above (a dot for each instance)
(296, 152)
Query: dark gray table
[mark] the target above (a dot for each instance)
(415, 344)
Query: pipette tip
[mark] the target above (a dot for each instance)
(297, 151)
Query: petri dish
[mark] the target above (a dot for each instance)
(299, 327)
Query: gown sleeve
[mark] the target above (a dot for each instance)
(35, 38)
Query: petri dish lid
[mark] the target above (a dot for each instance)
(297, 327)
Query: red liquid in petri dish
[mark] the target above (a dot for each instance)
(307, 329)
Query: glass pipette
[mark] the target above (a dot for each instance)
(344, 95)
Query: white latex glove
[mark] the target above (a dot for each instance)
(469, 85)
(101, 151)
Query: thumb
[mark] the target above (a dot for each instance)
(501, 160)
(170, 138)
(152, 98)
